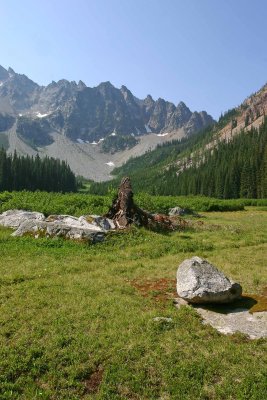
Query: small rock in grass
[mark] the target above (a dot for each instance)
(198, 281)
(176, 211)
(162, 319)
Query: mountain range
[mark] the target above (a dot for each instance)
(93, 129)
(227, 159)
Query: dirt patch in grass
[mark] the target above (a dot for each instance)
(164, 289)
(253, 302)
(160, 289)
(260, 302)
(94, 381)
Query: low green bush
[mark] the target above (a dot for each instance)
(80, 203)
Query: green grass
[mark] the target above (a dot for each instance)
(81, 203)
(69, 312)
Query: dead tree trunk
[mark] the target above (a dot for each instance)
(124, 212)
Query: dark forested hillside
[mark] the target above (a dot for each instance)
(18, 173)
(231, 169)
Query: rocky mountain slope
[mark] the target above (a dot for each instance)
(250, 114)
(65, 119)
(165, 168)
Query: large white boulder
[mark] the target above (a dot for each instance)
(14, 218)
(39, 229)
(74, 222)
(198, 281)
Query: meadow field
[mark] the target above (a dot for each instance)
(81, 203)
(77, 320)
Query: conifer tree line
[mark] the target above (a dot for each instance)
(35, 173)
(233, 169)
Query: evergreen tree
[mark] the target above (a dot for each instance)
(18, 173)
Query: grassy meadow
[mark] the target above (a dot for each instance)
(77, 320)
(79, 203)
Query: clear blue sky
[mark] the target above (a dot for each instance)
(209, 53)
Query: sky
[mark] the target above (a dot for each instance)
(211, 54)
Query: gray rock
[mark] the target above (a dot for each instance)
(162, 319)
(103, 223)
(229, 319)
(39, 229)
(86, 227)
(14, 218)
(83, 222)
(183, 211)
(238, 320)
(176, 211)
(198, 281)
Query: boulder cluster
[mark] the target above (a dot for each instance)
(87, 227)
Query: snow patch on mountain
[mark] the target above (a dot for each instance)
(80, 141)
(162, 134)
(100, 140)
(110, 164)
(39, 115)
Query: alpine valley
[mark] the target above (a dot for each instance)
(93, 129)
(228, 159)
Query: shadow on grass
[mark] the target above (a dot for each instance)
(247, 302)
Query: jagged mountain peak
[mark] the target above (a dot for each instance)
(84, 114)
(65, 82)
(3, 73)
(52, 84)
(203, 113)
(106, 84)
(181, 105)
(124, 88)
(182, 111)
(11, 71)
(18, 91)
(106, 89)
(160, 100)
(149, 100)
(127, 94)
(81, 85)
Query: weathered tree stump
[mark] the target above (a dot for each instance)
(125, 212)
